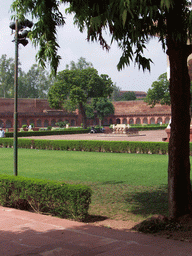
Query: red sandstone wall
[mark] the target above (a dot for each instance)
(38, 109)
(139, 107)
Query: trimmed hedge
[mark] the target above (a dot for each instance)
(149, 127)
(91, 146)
(45, 133)
(59, 199)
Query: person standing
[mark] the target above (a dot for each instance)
(2, 133)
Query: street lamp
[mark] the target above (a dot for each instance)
(20, 38)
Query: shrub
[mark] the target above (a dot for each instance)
(59, 199)
(94, 146)
(62, 124)
(44, 132)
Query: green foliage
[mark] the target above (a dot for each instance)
(6, 76)
(48, 17)
(62, 124)
(80, 65)
(118, 95)
(102, 107)
(149, 127)
(48, 132)
(73, 88)
(128, 96)
(131, 23)
(35, 83)
(91, 146)
(59, 199)
(159, 93)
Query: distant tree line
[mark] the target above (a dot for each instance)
(32, 84)
(118, 95)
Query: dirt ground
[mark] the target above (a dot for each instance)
(184, 233)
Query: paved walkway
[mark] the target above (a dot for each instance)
(142, 136)
(24, 233)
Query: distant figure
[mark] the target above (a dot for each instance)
(30, 127)
(2, 133)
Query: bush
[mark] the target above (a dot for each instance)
(148, 127)
(62, 124)
(92, 146)
(59, 199)
(45, 132)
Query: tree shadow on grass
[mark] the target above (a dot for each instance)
(94, 218)
(112, 182)
(148, 201)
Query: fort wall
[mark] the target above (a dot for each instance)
(38, 112)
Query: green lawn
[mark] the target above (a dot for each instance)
(126, 186)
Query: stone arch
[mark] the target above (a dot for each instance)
(152, 120)
(131, 121)
(167, 120)
(39, 123)
(124, 120)
(8, 124)
(32, 122)
(145, 121)
(105, 122)
(53, 122)
(46, 123)
(1, 123)
(138, 121)
(24, 122)
(72, 122)
(118, 121)
(159, 120)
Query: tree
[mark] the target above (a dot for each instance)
(6, 76)
(159, 93)
(132, 24)
(126, 96)
(118, 95)
(35, 83)
(73, 88)
(103, 107)
(81, 64)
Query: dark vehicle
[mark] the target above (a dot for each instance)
(97, 130)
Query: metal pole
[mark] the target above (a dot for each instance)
(15, 98)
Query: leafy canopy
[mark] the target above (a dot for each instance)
(130, 22)
(159, 93)
(78, 86)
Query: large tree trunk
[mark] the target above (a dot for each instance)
(179, 187)
(83, 114)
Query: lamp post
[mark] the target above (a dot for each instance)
(20, 38)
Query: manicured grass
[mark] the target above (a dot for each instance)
(125, 186)
(104, 168)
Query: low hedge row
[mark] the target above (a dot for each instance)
(45, 133)
(59, 199)
(149, 127)
(89, 145)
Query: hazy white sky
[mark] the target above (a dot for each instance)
(73, 45)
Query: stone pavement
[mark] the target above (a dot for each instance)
(142, 136)
(25, 233)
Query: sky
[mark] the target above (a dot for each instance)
(74, 45)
